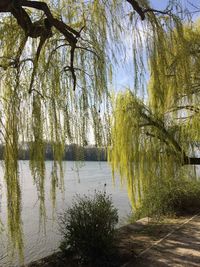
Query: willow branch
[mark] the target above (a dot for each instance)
(137, 8)
(69, 33)
(142, 11)
(164, 132)
(188, 107)
(41, 29)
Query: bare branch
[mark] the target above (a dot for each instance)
(137, 8)
(141, 11)
(163, 12)
(70, 34)
(41, 29)
(187, 107)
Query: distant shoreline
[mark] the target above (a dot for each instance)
(83, 160)
(71, 152)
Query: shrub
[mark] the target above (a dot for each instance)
(88, 227)
(172, 197)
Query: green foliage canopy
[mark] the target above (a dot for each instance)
(153, 139)
(38, 101)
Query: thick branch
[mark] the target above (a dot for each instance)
(137, 8)
(69, 33)
(157, 136)
(186, 160)
(142, 11)
(164, 132)
(191, 161)
(41, 28)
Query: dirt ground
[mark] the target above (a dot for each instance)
(173, 242)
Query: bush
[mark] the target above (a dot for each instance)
(172, 197)
(88, 228)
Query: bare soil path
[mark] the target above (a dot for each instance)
(179, 248)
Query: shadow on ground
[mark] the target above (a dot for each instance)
(181, 248)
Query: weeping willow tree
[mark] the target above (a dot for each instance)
(57, 60)
(156, 136)
(53, 74)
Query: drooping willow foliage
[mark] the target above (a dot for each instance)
(38, 102)
(154, 137)
(51, 111)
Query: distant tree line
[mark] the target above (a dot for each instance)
(71, 152)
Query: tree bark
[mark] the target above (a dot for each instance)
(137, 8)
(191, 161)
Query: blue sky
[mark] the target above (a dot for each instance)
(161, 4)
(124, 74)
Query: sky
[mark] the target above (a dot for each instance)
(124, 74)
(161, 4)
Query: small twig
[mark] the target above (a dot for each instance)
(35, 90)
(164, 12)
(89, 50)
(188, 107)
(68, 68)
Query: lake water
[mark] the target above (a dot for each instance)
(85, 179)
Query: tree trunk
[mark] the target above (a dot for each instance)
(191, 161)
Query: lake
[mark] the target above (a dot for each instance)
(84, 179)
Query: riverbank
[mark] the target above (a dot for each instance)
(148, 243)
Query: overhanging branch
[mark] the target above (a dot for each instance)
(191, 161)
(169, 139)
(137, 8)
(142, 11)
(41, 29)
